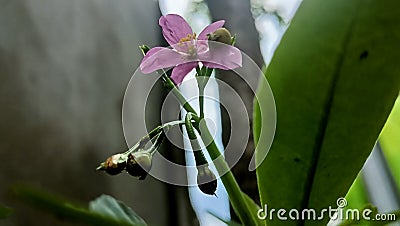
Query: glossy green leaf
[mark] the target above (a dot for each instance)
(335, 77)
(390, 142)
(67, 210)
(357, 196)
(108, 206)
(254, 208)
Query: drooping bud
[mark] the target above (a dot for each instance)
(206, 180)
(138, 164)
(221, 35)
(113, 165)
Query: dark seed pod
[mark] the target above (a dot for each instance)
(206, 180)
(138, 165)
(111, 165)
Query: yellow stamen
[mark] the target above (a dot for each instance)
(189, 43)
(188, 38)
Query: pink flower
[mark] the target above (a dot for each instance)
(188, 50)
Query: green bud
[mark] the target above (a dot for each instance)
(138, 164)
(206, 180)
(233, 40)
(113, 165)
(221, 35)
(144, 49)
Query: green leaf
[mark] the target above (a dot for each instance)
(254, 208)
(335, 77)
(5, 212)
(357, 196)
(108, 206)
(390, 142)
(67, 210)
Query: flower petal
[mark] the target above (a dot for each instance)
(179, 72)
(174, 27)
(210, 29)
(159, 58)
(221, 56)
(214, 65)
(151, 52)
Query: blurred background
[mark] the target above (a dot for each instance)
(64, 67)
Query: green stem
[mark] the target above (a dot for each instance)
(201, 101)
(202, 80)
(201, 83)
(197, 150)
(232, 187)
(236, 196)
(181, 99)
(156, 131)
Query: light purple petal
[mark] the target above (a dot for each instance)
(179, 72)
(214, 65)
(159, 58)
(210, 29)
(202, 46)
(174, 27)
(151, 52)
(221, 56)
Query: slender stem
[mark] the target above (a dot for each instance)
(202, 80)
(201, 100)
(156, 131)
(232, 187)
(201, 86)
(181, 99)
(197, 150)
(236, 197)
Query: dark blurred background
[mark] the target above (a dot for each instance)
(64, 67)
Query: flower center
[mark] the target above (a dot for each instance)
(189, 45)
(188, 38)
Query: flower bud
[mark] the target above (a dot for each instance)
(206, 180)
(144, 49)
(221, 35)
(112, 165)
(138, 164)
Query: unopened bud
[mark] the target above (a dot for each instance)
(221, 35)
(138, 164)
(112, 165)
(144, 49)
(206, 180)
